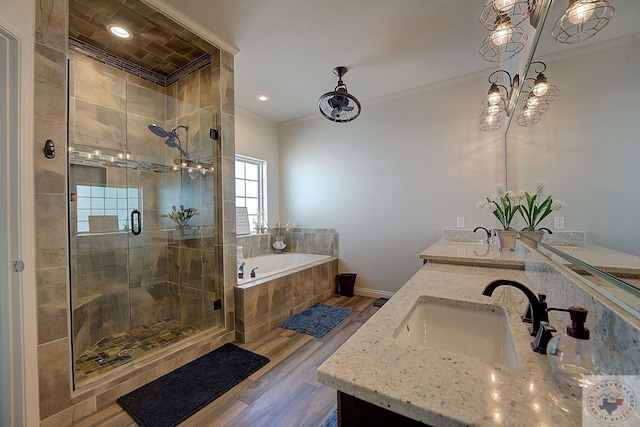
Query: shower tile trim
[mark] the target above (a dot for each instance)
(130, 67)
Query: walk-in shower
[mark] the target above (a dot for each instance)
(172, 136)
(142, 279)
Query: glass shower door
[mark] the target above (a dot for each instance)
(139, 283)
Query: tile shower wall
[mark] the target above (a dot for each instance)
(320, 241)
(59, 404)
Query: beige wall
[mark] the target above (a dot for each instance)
(392, 180)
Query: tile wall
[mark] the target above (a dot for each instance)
(263, 305)
(60, 404)
(320, 241)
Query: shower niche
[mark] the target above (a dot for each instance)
(140, 281)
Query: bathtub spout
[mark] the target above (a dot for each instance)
(253, 271)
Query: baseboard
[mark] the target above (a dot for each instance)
(365, 292)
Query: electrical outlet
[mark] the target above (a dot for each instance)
(460, 222)
(558, 223)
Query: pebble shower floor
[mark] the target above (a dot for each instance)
(118, 349)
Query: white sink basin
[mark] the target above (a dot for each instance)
(473, 329)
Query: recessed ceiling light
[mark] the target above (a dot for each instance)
(262, 98)
(119, 31)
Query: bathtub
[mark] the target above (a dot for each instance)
(270, 265)
(285, 284)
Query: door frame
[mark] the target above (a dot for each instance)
(18, 313)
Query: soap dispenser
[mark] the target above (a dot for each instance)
(240, 261)
(573, 355)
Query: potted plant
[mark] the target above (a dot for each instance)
(504, 205)
(535, 210)
(181, 217)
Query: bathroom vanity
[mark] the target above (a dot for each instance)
(383, 379)
(443, 388)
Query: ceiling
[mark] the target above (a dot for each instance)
(288, 48)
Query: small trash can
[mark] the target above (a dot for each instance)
(346, 283)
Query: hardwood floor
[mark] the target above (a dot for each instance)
(283, 393)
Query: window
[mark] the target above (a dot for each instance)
(102, 201)
(250, 188)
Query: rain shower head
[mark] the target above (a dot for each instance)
(159, 131)
(171, 136)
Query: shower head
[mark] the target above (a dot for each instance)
(171, 136)
(160, 132)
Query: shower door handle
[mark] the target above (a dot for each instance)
(136, 223)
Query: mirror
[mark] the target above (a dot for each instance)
(586, 147)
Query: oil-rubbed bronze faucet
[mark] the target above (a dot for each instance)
(485, 230)
(536, 310)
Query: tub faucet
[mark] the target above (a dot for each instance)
(241, 270)
(253, 271)
(536, 310)
(485, 230)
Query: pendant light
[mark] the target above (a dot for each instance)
(504, 41)
(493, 107)
(516, 10)
(582, 20)
(538, 99)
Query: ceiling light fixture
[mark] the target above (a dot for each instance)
(538, 99)
(262, 98)
(119, 31)
(339, 105)
(504, 41)
(582, 20)
(497, 104)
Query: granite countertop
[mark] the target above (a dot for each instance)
(442, 388)
(605, 259)
(471, 253)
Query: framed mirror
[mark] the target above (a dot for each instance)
(586, 147)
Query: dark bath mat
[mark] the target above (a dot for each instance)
(331, 420)
(176, 396)
(316, 320)
(380, 302)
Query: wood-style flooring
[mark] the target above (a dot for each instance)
(283, 393)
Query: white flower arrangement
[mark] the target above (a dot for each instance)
(503, 205)
(534, 211)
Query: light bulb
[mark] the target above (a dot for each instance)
(532, 101)
(494, 96)
(540, 88)
(501, 34)
(503, 5)
(528, 112)
(493, 109)
(580, 11)
(490, 118)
